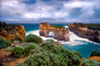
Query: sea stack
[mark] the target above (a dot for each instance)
(60, 32)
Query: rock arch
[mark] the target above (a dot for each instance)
(61, 33)
(51, 34)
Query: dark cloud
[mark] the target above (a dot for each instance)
(57, 11)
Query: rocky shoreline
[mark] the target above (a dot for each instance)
(85, 32)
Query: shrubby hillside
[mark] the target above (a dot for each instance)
(47, 53)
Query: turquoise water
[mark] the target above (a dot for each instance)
(84, 46)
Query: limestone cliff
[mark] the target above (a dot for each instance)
(61, 33)
(85, 32)
(9, 31)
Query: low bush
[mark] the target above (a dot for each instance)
(57, 43)
(44, 58)
(50, 55)
(50, 40)
(47, 54)
(28, 48)
(17, 51)
(74, 57)
(48, 45)
(18, 38)
(95, 53)
(33, 38)
(89, 62)
(8, 43)
(4, 43)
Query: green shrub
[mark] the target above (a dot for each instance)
(75, 57)
(89, 62)
(18, 38)
(44, 58)
(47, 54)
(4, 43)
(8, 43)
(33, 38)
(17, 51)
(61, 49)
(48, 45)
(28, 48)
(58, 43)
(50, 40)
(95, 53)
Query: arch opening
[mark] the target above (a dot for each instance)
(51, 34)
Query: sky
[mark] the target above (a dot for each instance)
(51, 11)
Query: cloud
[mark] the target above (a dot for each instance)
(50, 11)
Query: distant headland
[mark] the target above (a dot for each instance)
(89, 31)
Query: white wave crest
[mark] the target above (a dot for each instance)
(66, 26)
(36, 32)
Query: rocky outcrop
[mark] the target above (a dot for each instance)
(9, 31)
(85, 32)
(61, 33)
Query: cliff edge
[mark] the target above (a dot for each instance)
(61, 33)
(89, 31)
(9, 31)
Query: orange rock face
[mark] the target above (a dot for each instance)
(61, 33)
(9, 32)
(93, 35)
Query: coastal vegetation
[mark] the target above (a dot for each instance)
(4, 43)
(16, 39)
(33, 38)
(90, 26)
(19, 51)
(46, 53)
(7, 27)
(58, 26)
(95, 53)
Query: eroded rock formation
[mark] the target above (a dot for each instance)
(85, 32)
(9, 31)
(61, 33)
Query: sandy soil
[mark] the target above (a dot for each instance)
(13, 63)
(7, 60)
(96, 58)
(3, 53)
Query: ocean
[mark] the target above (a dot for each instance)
(82, 45)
